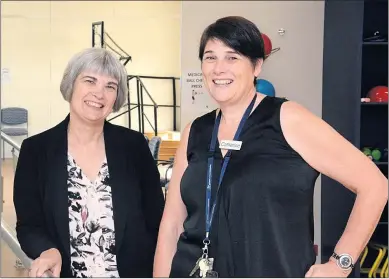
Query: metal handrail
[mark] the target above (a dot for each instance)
(7, 233)
(9, 236)
(144, 86)
(10, 141)
(140, 86)
(147, 92)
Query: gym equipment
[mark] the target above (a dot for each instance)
(124, 56)
(265, 87)
(101, 39)
(374, 154)
(380, 251)
(378, 94)
(365, 100)
(267, 44)
(367, 152)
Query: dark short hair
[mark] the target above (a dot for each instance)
(238, 33)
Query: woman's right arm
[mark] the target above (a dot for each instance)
(30, 227)
(174, 214)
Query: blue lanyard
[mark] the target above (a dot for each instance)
(209, 214)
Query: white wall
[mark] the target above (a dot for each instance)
(39, 37)
(295, 70)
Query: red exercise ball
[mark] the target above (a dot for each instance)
(378, 94)
(267, 43)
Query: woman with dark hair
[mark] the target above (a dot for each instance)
(240, 200)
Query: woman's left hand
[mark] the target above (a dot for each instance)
(327, 270)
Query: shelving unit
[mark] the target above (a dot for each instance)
(351, 67)
(374, 116)
(375, 43)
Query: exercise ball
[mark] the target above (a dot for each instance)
(267, 44)
(378, 94)
(265, 87)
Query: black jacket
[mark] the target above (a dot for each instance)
(41, 197)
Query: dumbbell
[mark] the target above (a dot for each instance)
(373, 153)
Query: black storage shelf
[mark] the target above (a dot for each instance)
(375, 104)
(352, 65)
(375, 43)
(374, 116)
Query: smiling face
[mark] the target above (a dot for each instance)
(93, 96)
(228, 75)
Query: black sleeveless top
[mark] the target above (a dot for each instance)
(263, 223)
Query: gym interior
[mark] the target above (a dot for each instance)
(330, 56)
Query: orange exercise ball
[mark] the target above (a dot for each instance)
(267, 44)
(378, 94)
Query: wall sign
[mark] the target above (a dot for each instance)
(195, 99)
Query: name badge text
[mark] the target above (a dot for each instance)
(230, 145)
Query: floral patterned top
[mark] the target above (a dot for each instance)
(92, 232)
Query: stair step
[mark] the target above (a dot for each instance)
(165, 157)
(170, 144)
(168, 149)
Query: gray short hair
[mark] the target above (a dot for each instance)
(100, 61)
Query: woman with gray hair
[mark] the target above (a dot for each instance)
(87, 193)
